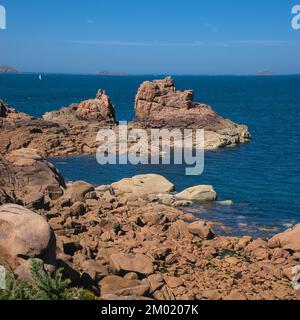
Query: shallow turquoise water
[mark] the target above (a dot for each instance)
(262, 177)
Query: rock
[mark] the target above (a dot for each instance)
(27, 178)
(159, 104)
(156, 282)
(94, 269)
(256, 244)
(198, 193)
(144, 185)
(211, 294)
(289, 240)
(226, 203)
(260, 254)
(179, 230)
(124, 263)
(77, 191)
(122, 287)
(235, 295)
(174, 282)
(201, 229)
(71, 130)
(78, 208)
(25, 234)
(131, 276)
(99, 109)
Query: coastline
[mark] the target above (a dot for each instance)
(129, 239)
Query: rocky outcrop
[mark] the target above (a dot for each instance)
(23, 235)
(159, 104)
(72, 130)
(27, 178)
(99, 110)
(19, 130)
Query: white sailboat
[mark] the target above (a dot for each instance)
(40, 77)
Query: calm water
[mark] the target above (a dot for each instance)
(262, 177)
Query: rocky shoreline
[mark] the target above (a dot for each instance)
(129, 240)
(72, 130)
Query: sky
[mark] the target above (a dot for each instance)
(151, 37)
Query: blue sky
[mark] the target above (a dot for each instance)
(157, 36)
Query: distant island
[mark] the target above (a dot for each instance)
(107, 73)
(7, 69)
(265, 73)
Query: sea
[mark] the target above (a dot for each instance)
(261, 178)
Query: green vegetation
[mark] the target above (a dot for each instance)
(42, 287)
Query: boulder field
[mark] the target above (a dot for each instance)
(134, 244)
(73, 129)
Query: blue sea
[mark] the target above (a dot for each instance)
(262, 178)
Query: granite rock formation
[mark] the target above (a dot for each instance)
(159, 104)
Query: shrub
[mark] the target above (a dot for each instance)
(42, 287)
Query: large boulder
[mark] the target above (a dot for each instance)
(144, 185)
(198, 193)
(23, 235)
(289, 239)
(29, 179)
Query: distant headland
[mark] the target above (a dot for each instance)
(108, 73)
(7, 69)
(265, 73)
